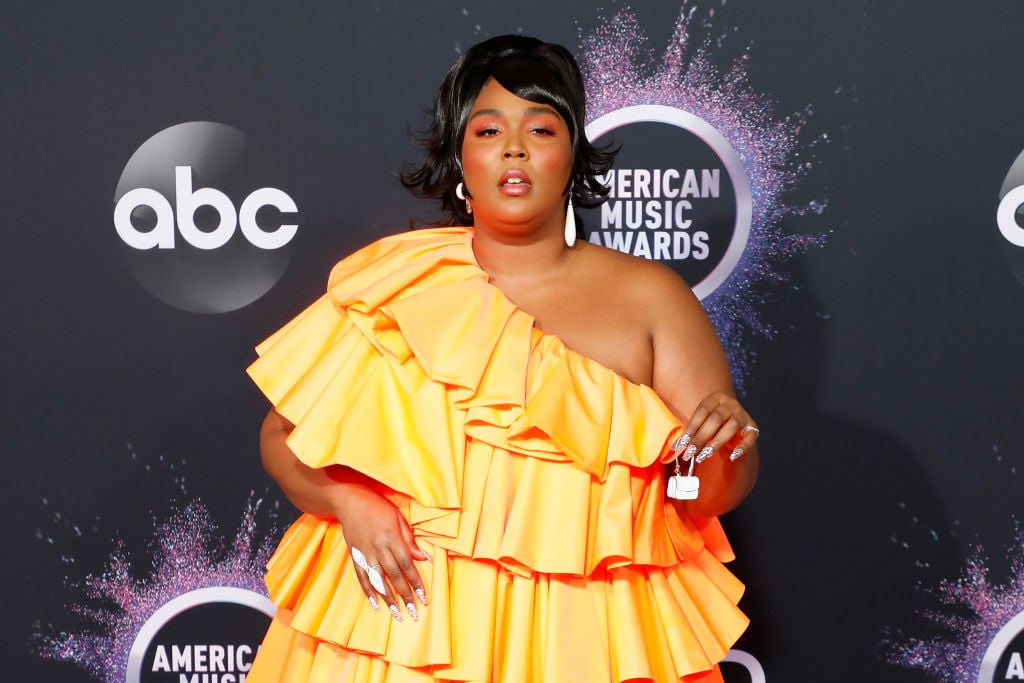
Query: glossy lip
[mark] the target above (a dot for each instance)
(514, 189)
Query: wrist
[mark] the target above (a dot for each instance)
(352, 490)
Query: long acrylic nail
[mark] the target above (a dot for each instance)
(736, 454)
(681, 443)
(705, 453)
(395, 612)
(690, 450)
(422, 596)
(411, 608)
(373, 603)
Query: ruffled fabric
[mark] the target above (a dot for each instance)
(530, 473)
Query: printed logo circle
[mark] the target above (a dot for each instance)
(679, 194)
(1004, 658)
(741, 667)
(1010, 218)
(210, 634)
(193, 226)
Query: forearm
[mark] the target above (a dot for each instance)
(316, 490)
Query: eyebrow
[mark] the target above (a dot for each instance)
(530, 111)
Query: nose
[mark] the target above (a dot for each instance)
(514, 147)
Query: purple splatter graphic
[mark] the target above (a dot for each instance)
(187, 552)
(620, 72)
(976, 609)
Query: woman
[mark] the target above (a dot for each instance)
(478, 421)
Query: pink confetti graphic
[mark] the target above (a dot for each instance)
(975, 610)
(187, 552)
(621, 72)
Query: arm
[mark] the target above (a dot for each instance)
(369, 521)
(692, 376)
(318, 491)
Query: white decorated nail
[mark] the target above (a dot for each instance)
(681, 443)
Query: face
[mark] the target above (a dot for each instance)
(516, 162)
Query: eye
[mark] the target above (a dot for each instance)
(487, 131)
(544, 125)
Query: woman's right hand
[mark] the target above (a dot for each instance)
(374, 526)
(369, 521)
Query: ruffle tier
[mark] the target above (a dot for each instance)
(529, 472)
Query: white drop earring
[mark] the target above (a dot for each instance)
(570, 222)
(460, 192)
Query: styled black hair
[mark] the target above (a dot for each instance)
(531, 69)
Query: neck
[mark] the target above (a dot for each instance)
(513, 258)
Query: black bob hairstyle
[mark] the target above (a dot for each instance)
(531, 69)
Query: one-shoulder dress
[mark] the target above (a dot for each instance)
(532, 475)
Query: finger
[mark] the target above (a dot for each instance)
(413, 577)
(708, 407)
(367, 577)
(395, 562)
(732, 418)
(685, 442)
(370, 573)
(722, 428)
(742, 447)
(700, 414)
(748, 438)
(727, 436)
(388, 595)
(417, 553)
(708, 437)
(750, 429)
(364, 583)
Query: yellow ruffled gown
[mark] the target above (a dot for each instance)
(532, 475)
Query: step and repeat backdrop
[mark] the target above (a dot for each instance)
(838, 182)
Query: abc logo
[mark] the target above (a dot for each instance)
(192, 229)
(187, 202)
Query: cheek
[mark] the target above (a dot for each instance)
(556, 161)
(472, 159)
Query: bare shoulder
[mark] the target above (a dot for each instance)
(649, 286)
(688, 362)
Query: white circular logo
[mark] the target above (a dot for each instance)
(749, 662)
(193, 230)
(679, 194)
(1010, 218)
(204, 633)
(1004, 658)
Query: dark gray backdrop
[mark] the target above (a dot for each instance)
(890, 399)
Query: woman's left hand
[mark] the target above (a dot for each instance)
(720, 425)
(719, 422)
